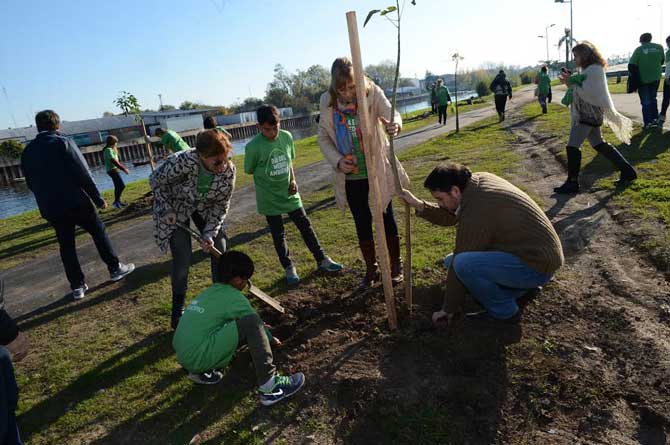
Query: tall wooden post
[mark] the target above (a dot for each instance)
(372, 153)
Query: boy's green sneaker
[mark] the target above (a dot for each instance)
(328, 265)
(292, 276)
(283, 387)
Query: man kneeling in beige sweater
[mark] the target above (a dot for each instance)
(505, 244)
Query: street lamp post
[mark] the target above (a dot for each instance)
(546, 36)
(456, 58)
(572, 32)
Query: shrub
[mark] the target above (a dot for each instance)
(11, 149)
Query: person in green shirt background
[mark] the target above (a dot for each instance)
(210, 124)
(666, 86)
(218, 322)
(543, 88)
(269, 158)
(112, 165)
(648, 58)
(443, 99)
(172, 140)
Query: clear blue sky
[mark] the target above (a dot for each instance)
(76, 56)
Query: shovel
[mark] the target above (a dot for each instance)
(253, 290)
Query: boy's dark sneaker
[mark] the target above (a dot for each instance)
(292, 277)
(79, 292)
(206, 378)
(116, 205)
(122, 271)
(284, 386)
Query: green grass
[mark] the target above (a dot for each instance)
(648, 198)
(103, 371)
(620, 88)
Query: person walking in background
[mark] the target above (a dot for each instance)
(192, 185)
(58, 175)
(646, 61)
(543, 88)
(210, 124)
(269, 158)
(591, 107)
(112, 165)
(443, 99)
(502, 90)
(433, 98)
(666, 86)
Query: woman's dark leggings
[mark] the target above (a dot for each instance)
(118, 184)
(442, 114)
(666, 97)
(357, 198)
(501, 101)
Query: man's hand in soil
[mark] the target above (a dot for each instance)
(207, 244)
(103, 205)
(19, 347)
(441, 319)
(292, 188)
(410, 199)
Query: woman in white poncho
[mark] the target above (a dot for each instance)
(592, 107)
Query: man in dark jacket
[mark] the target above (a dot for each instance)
(13, 344)
(501, 89)
(56, 172)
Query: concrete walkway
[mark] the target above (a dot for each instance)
(41, 281)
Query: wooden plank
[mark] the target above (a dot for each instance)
(372, 153)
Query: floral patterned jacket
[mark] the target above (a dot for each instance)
(174, 185)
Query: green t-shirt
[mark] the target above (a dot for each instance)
(352, 125)
(110, 153)
(270, 163)
(205, 179)
(224, 131)
(442, 95)
(173, 141)
(543, 84)
(649, 58)
(207, 336)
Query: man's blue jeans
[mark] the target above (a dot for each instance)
(496, 279)
(648, 101)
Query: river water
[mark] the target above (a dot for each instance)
(18, 198)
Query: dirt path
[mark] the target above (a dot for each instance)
(41, 282)
(607, 316)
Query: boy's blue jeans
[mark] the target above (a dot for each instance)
(647, 93)
(496, 279)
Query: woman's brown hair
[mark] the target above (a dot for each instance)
(111, 140)
(212, 143)
(589, 54)
(341, 72)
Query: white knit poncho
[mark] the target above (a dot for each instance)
(594, 92)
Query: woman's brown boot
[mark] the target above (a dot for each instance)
(371, 270)
(393, 243)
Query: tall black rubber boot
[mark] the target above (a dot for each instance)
(613, 155)
(571, 185)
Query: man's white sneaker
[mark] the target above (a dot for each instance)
(122, 271)
(79, 292)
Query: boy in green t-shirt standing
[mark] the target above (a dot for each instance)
(172, 140)
(219, 321)
(269, 157)
(112, 165)
(543, 88)
(648, 59)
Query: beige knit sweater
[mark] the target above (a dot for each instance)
(495, 215)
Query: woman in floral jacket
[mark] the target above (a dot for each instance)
(192, 185)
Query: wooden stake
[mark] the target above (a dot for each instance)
(371, 155)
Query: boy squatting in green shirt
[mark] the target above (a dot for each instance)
(269, 158)
(220, 320)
